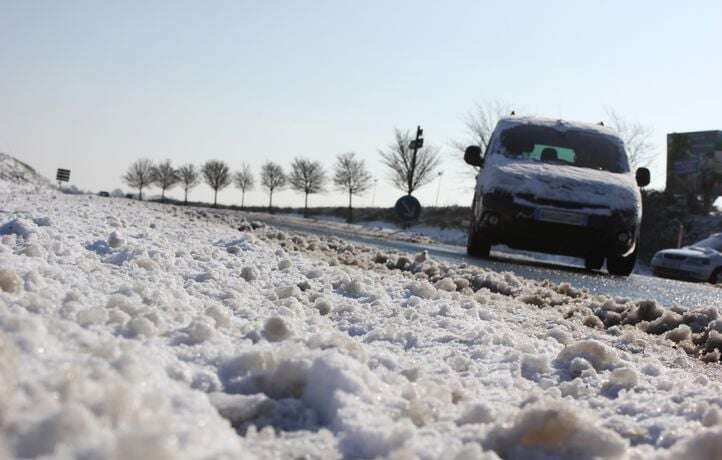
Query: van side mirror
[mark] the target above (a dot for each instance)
(472, 155)
(643, 177)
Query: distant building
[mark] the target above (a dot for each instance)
(694, 164)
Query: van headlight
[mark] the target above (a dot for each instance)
(498, 198)
(627, 217)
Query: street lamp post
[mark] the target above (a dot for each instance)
(438, 189)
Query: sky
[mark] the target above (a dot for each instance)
(92, 86)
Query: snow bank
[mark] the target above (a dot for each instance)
(122, 339)
(555, 430)
(600, 356)
(21, 227)
(19, 174)
(702, 446)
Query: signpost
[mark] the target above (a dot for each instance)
(63, 175)
(407, 207)
(694, 166)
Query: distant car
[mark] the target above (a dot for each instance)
(103, 194)
(559, 187)
(701, 261)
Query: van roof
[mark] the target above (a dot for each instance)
(555, 123)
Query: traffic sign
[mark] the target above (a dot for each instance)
(408, 208)
(63, 175)
(416, 144)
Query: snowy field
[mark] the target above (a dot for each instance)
(135, 330)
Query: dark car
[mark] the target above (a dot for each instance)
(102, 193)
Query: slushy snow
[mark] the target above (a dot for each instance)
(191, 339)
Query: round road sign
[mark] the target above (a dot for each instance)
(408, 208)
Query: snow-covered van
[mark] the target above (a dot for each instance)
(559, 187)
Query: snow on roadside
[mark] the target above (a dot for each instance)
(132, 330)
(427, 234)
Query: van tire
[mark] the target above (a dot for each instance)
(593, 261)
(622, 265)
(716, 276)
(476, 244)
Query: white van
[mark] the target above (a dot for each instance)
(559, 187)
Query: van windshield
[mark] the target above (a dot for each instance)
(571, 147)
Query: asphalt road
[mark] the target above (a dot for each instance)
(665, 291)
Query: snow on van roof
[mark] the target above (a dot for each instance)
(555, 123)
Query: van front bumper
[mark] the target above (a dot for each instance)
(522, 226)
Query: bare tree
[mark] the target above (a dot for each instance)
(350, 175)
(189, 178)
(217, 175)
(272, 178)
(165, 177)
(139, 175)
(308, 177)
(636, 136)
(410, 171)
(479, 124)
(244, 181)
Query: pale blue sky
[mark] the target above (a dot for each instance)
(92, 85)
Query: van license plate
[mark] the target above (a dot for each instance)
(561, 217)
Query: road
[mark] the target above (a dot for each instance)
(665, 291)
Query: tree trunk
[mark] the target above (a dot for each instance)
(140, 193)
(162, 194)
(305, 206)
(350, 208)
(270, 201)
(215, 198)
(185, 201)
(243, 198)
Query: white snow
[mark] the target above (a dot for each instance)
(20, 227)
(562, 183)
(555, 430)
(23, 176)
(10, 281)
(171, 345)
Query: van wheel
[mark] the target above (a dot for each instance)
(716, 276)
(621, 265)
(593, 261)
(476, 245)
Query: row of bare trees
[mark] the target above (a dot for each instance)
(480, 122)
(409, 168)
(144, 173)
(306, 176)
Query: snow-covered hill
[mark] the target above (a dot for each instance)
(139, 330)
(15, 171)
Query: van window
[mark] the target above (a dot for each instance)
(585, 149)
(562, 154)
